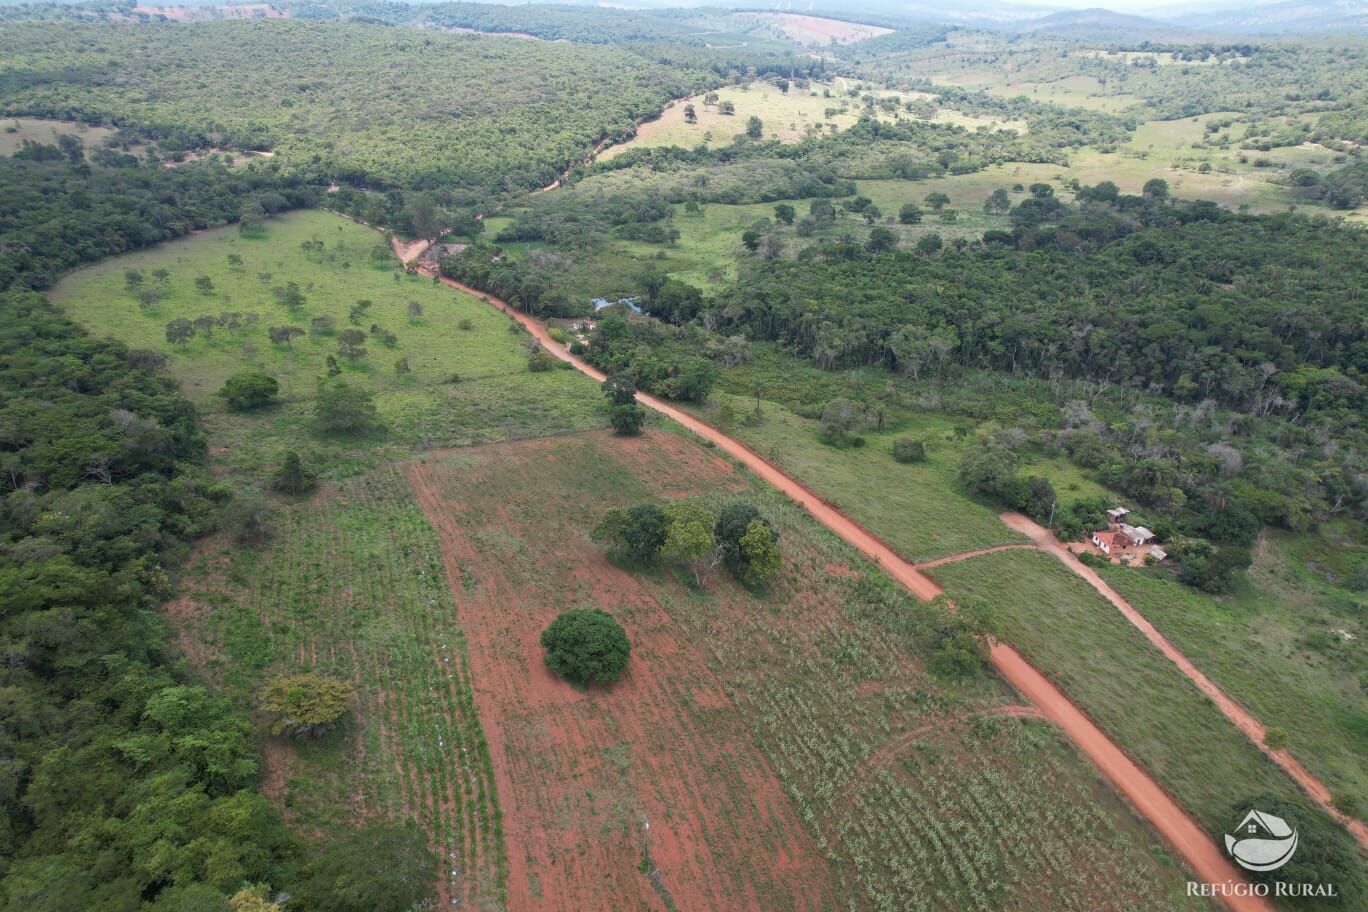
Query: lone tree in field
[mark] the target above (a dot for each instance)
(760, 558)
(293, 478)
(306, 704)
(905, 449)
(284, 334)
(755, 127)
(620, 388)
(180, 331)
(627, 420)
(249, 390)
(586, 647)
(746, 538)
(351, 344)
(343, 409)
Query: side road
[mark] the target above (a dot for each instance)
(1241, 717)
(1150, 800)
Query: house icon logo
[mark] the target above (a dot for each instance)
(1262, 842)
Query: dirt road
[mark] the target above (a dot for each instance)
(965, 555)
(1149, 799)
(1241, 717)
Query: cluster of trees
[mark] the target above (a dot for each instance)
(1181, 299)
(738, 537)
(653, 356)
(510, 129)
(125, 783)
(56, 214)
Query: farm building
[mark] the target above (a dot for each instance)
(1107, 542)
(1138, 535)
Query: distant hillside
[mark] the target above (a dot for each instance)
(1292, 17)
(1100, 25)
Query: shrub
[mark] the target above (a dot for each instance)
(293, 477)
(343, 409)
(905, 449)
(306, 704)
(540, 361)
(1275, 738)
(249, 391)
(586, 647)
(627, 420)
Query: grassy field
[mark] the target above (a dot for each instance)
(1069, 92)
(915, 508)
(14, 130)
(787, 116)
(1278, 647)
(493, 396)
(1106, 666)
(350, 586)
(918, 793)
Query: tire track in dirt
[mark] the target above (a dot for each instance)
(965, 555)
(1242, 719)
(1172, 822)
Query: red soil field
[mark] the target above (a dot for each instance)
(662, 758)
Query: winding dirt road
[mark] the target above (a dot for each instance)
(1145, 794)
(1237, 714)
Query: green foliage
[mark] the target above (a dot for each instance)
(541, 361)
(759, 554)
(294, 477)
(840, 419)
(60, 215)
(690, 538)
(306, 704)
(620, 388)
(125, 784)
(906, 449)
(656, 362)
(393, 134)
(638, 532)
(382, 867)
(249, 391)
(586, 647)
(344, 409)
(627, 420)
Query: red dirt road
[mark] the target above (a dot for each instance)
(1241, 717)
(1150, 800)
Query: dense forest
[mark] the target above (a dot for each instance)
(125, 783)
(346, 102)
(58, 209)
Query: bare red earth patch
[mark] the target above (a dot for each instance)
(642, 795)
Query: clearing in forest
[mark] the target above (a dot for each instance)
(465, 378)
(815, 31)
(757, 733)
